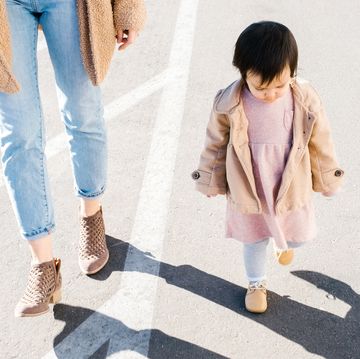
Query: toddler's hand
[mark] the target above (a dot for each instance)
(331, 193)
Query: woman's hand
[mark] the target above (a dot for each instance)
(126, 38)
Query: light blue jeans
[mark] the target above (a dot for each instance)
(22, 131)
(255, 259)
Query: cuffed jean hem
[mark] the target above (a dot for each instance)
(95, 195)
(39, 233)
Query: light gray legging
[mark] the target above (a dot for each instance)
(255, 259)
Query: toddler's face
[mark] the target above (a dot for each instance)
(269, 92)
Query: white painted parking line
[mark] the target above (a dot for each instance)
(113, 110)
(126, 318)
(41, 45)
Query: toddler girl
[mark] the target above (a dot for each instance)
(268, 146)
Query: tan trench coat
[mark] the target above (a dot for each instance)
(225, 164)
(99, 21)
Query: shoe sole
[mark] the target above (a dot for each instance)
(256, 311)
(31, 315)
(97, 269)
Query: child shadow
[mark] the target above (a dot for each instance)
(114, 337)
(319, 332)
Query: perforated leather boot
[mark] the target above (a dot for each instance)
(93, 252)
(43, 287)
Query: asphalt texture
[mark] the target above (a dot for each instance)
(182, 296)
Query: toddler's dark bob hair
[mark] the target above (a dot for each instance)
(265, 48)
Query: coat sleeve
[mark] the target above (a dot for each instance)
(210, 177)
(129, 14)
(8, 83)
(326, 174)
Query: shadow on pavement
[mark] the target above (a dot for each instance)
(116, 337)
(319, 332)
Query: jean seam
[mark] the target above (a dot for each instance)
(35, 5)
(41, 132)
(102, 125)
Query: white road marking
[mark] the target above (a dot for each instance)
(112, 110)
(41, 45)
(126, 318)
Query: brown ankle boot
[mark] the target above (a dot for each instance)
(43, 287)
(93, 252)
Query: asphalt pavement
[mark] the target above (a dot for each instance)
(174, 287)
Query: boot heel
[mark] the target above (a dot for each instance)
(56, 297)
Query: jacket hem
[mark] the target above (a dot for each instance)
(208, 190)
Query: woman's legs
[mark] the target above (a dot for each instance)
(80, 102)
(41, 249)
(83, 115)
(22, 135)
(22, 139)
(89, 207)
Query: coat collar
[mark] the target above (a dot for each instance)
(229, 99)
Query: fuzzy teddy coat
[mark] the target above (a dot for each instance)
(99, 22)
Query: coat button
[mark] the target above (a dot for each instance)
(195, 175)
(338, 173)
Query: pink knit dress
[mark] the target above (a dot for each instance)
(270, 141)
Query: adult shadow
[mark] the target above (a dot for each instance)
(319, 332)
(105, 336)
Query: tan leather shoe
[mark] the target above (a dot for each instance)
(255, 299)
(43, 287)
(93, 252)
(285, 257)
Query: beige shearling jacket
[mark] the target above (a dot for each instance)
(99, 22)
(225, 164)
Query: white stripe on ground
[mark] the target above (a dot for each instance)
(41, 44)
(114, 109)
(124, 322)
